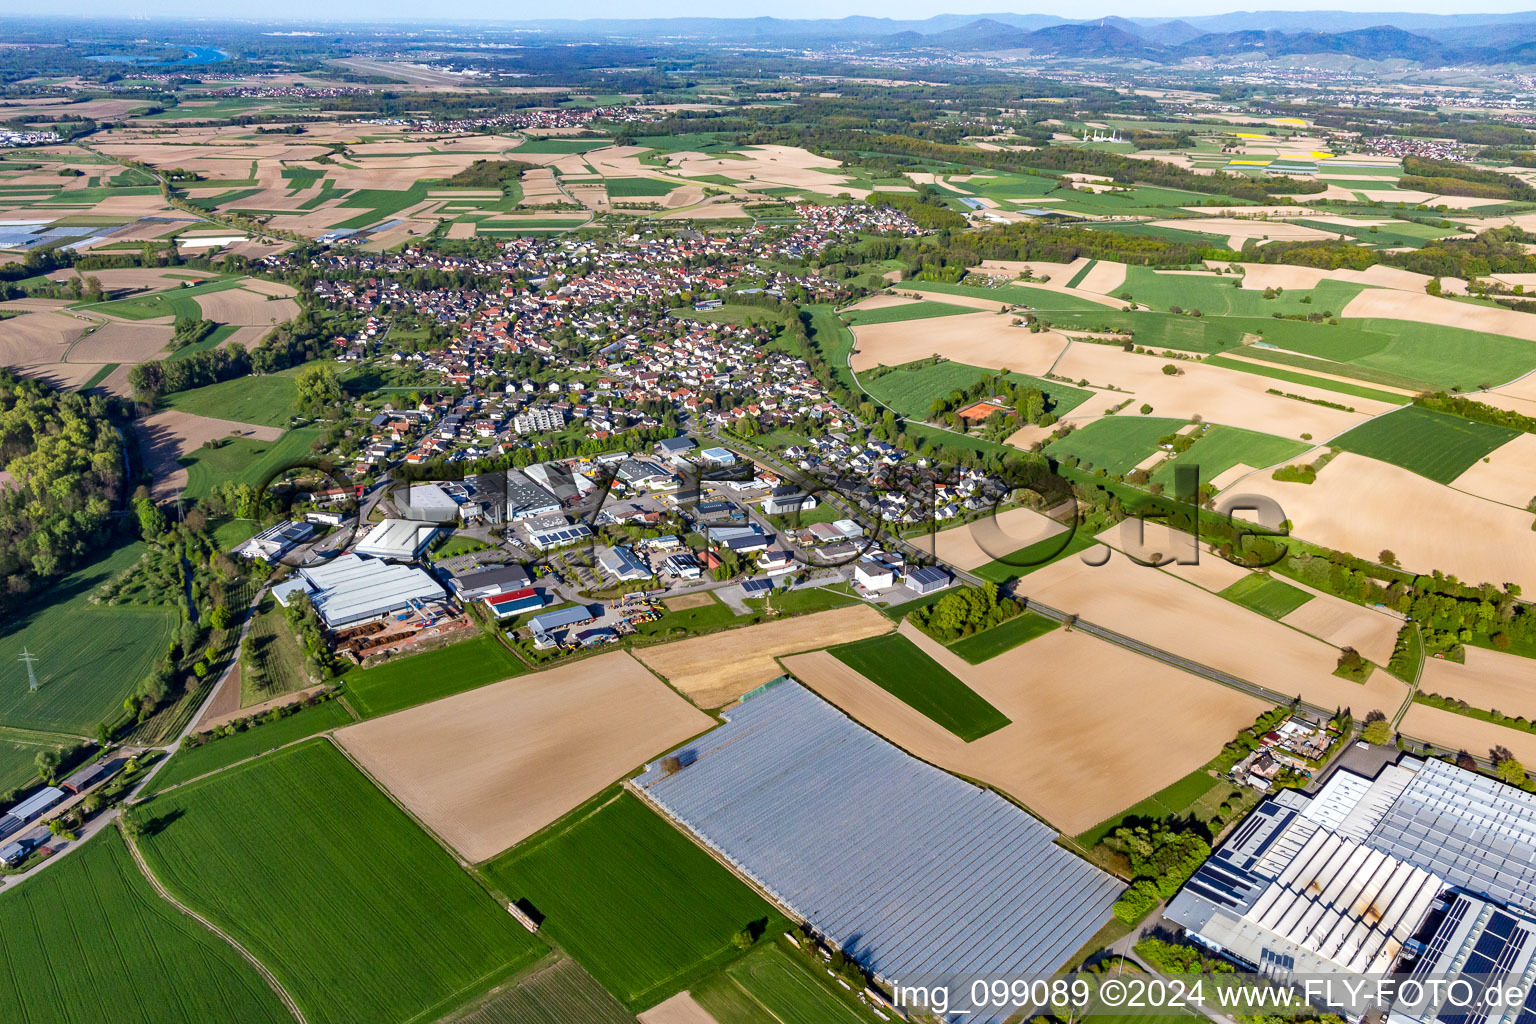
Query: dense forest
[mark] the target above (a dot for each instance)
(63, 467)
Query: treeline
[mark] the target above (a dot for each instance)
(151, 380)
(1061, 244)
(64, 459)
(290, 344)
(488, 174)
(1496, 251)
(1449, 177)
(1466, 408)
(190, 331)
(923, 209)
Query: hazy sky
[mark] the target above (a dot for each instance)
(415, 10)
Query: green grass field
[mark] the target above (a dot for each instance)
(1222, 447)
(635, 188)
(899, 666)
(88, 656)
(1220, 295)
(1266, 595)
(1115, 444)
(360, 915)
(557, 145)
(89, 941)
(246, 461)
(1157, 331)
(191, 762)
(269, 400)
(173, 302)
(912, 392)
(1433, 444)
(834, 338)
(380, 203)
(989, 643)
(276, 665)
(769, 986)
(714, 615)
(18, 754)
(406, 682)
(642, 908)
(555, 992)
(900, 314)
(1401, 353)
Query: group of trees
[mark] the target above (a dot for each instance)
(1453, 178)
(924, 208)
(151, 380)
(190, 330)
(1162, 855)
(1027, 402)
(1469, 409)
(309, 631)
(64, 458)
(967, 610)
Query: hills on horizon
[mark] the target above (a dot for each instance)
(1420, 38)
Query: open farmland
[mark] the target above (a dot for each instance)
(991, 538)
(171, 440)
(769, 985)
(989, 643)
(297, 852)
(1433, 444)
(1267, 595)
(901, 313)
(88, 656)
(1504, 475)
(269, 400)
(1452, 731)
(556, 992)
(716, 669)
(1489, 680)
(125, 946)
(577, 728)
(182, 301)
(1116, 444)
(1157, 607)
(191, 762)
(893, 662)
(1216, 394)
(1222, 448)
(418, 678)
(642, 908)
(977, 339)
(1071, 753)
(244, 460)
(911, 391)
(1356, 504)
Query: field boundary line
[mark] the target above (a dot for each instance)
(261, 968)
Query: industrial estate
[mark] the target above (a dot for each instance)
(710, 521)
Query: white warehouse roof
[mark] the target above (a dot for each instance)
(403, 539)
(353, 589)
